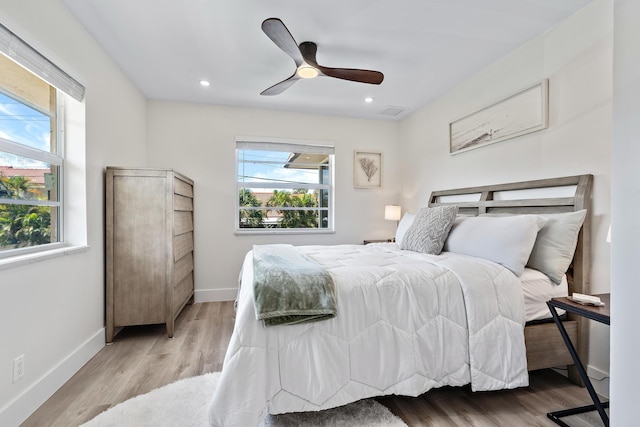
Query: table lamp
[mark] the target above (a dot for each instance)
(393, 213)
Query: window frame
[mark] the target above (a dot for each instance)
(282, 144)
(55, 158)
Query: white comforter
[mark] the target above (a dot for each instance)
(406, 323)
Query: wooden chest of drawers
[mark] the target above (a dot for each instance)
(149, 247)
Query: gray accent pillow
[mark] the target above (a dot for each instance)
(429, 229)
(556, 244)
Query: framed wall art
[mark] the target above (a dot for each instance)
(524, 112)
(367, 169)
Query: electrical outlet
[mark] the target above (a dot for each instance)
(18, 368)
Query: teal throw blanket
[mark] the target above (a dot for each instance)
(289, 287)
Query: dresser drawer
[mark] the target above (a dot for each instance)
(182, 203)
(182, 222)
(182, 292)
(183, 188)
(182, 268)
(182, 245)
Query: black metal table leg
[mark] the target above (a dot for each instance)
(597, 405)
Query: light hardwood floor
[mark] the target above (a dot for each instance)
(142, 358)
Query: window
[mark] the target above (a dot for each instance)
(284, 187)
(30, 161)
(31, 155)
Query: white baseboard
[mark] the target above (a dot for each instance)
(19, 409)
(600, 380)
(215, 295)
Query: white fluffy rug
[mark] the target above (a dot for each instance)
(184, 404)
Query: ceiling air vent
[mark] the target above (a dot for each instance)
(390, 110)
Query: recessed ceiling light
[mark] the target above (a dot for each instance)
(204, 83)
(368, 99)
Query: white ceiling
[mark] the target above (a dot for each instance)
(423, 47)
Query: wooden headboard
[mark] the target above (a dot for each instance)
(555, 195)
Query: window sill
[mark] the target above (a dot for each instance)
(282, 231)
(26, 259)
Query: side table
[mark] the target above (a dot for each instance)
(366, 242)
(599, 314)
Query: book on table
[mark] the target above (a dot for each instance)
(586, 299)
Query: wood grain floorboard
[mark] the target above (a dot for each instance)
(527, 406)
(142, 359)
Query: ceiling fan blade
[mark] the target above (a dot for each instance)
(309, 50)
(280, 35)
(356, 75)
(281, 87)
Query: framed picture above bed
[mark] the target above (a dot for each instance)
(521, 113)
(367, 169)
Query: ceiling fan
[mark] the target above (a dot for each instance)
(304, 55)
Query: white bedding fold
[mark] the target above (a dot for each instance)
(407, 323)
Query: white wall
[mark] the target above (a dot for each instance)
(576, 57)
(625, 205)
(199, 141)
(53, 311)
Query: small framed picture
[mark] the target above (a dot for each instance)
(367, 169)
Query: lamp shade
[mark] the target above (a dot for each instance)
(392, 212)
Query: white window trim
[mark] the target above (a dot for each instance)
(309, 146)
(15, 257)
(29, 152)
(54, 250)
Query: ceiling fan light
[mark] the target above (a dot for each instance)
(307, 72)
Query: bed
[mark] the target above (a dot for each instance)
(409, 321)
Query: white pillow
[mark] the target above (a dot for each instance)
(429, 230)
(403, 226)
(505, 240)
(556, 244)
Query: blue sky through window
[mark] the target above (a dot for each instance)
(268, 166)
(24, 125)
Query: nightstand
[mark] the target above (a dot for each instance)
(599, 314)
(366, 242)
